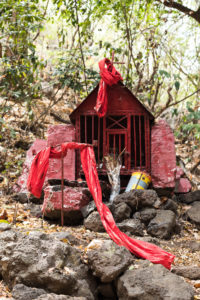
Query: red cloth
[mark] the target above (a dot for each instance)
(36, 180)
(109, 76)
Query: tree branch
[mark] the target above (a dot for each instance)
(177, 102)
(180, 7)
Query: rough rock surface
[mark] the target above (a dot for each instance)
(191, 272)
(153, 283)
(137, 199)
(93, 222)
(131, 226)
(170, 205)
(163, 156)
(189, 197)
(145, 215)
(39, 260)
(183, 186)
(4, 226)
(162, 226)
(23, 292)
(58, 134)
(37, 146)
(121, 212)
(107, 260)
(74, 200)
(193, 213)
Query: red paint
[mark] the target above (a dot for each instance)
(184, 186)
(126, 125)
(58, 134)
(179, 172)
(163, 157)
(74, 199)
(36, 147)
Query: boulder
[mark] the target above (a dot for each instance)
(39, 260)
(58, 134)
(21, 185)
(131, 226)
(193, 214)
(121, 212)
(183, 186)
(153, 283)
(162, 226)
(87, 209)
(170, 205)
(189, 197)
(145, 215)
(107, 260)
(137, 199)
(23, 292)
(94, 223)
(163, 156)
(74, 200)
(4, 225)
(190, 272)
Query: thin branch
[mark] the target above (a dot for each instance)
(44, 14)
(180, 7)
(177, 102)
(80, 45)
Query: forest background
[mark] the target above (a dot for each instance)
(49, 54)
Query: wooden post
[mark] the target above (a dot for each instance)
(62, 189)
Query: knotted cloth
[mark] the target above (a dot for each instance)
(109, 76)
(36, 179)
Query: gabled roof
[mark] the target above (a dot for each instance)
(72, 115)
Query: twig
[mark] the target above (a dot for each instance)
(174, 103)
(195, 166)
(80, 45)
(58, 118)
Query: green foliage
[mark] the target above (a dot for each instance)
(20, 22)
(69, 72)
(190, 126)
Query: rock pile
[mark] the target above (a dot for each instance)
(45, 266)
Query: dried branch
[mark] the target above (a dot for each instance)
(184, 9)
(177, 102)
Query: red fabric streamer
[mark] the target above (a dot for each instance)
(109, 76)
(36, 179)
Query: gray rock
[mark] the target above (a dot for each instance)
(131, 226)
(87, 209)
(193, 214)
(40, 260)
(107, 260)
(4, 226)
(145, 215)
(23, 292)
(93, 222)
(35, 209)
(121, 212)
(191, 272)
(189, 197)
(153, 283)
(137, 198)
(162, 226)
(194, 246)
(66, 236)
(170, 205)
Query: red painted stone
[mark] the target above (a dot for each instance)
(179, 172)
(36, 147)
(184, 186)
(74, 199)
(58, 134)
(163, 157)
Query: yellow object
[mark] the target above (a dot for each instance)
(138, 181)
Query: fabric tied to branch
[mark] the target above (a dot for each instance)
(109, 76)
(36, 180)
